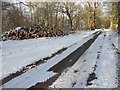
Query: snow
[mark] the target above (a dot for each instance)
(32, 76)
(0, 61)
(17, 54)
(105, 71)
(28, 81)
(18, 28)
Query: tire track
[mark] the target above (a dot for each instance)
(66, 62)
(33, 65)
(30, 66)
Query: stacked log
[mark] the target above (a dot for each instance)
(30, 32)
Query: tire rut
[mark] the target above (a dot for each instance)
(66, 62)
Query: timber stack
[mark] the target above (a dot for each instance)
(30, 32)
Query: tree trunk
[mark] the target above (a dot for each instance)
(51, 19)
(111, 24)
(119, 17)
(119, 25)
(63, 20)
(56, 20)
(70, 20)
(89, 22)
(94, 19)
(70, 23)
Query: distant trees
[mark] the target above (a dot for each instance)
(92, 13)
(13, 16)
(62, 15)
(68, 10)
(113, 13)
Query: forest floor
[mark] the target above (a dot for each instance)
(85, 59)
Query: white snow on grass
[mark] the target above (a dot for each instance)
(105, 70)
(35, 75)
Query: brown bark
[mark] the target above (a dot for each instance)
(70, 19)
(119, 25)
(56, 19)
(119, 17)
(70, 23)
(111, 23)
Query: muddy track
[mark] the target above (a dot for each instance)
(30, 66)
(66, 62)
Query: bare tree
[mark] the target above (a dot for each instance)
(91, 8)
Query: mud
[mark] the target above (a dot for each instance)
(92, 77)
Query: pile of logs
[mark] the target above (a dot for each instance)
(35, 31)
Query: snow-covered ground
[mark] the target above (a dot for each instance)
(100, 54)
(31, 77)
(100, 58)
(18, 54)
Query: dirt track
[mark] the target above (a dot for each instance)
(66, 62)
